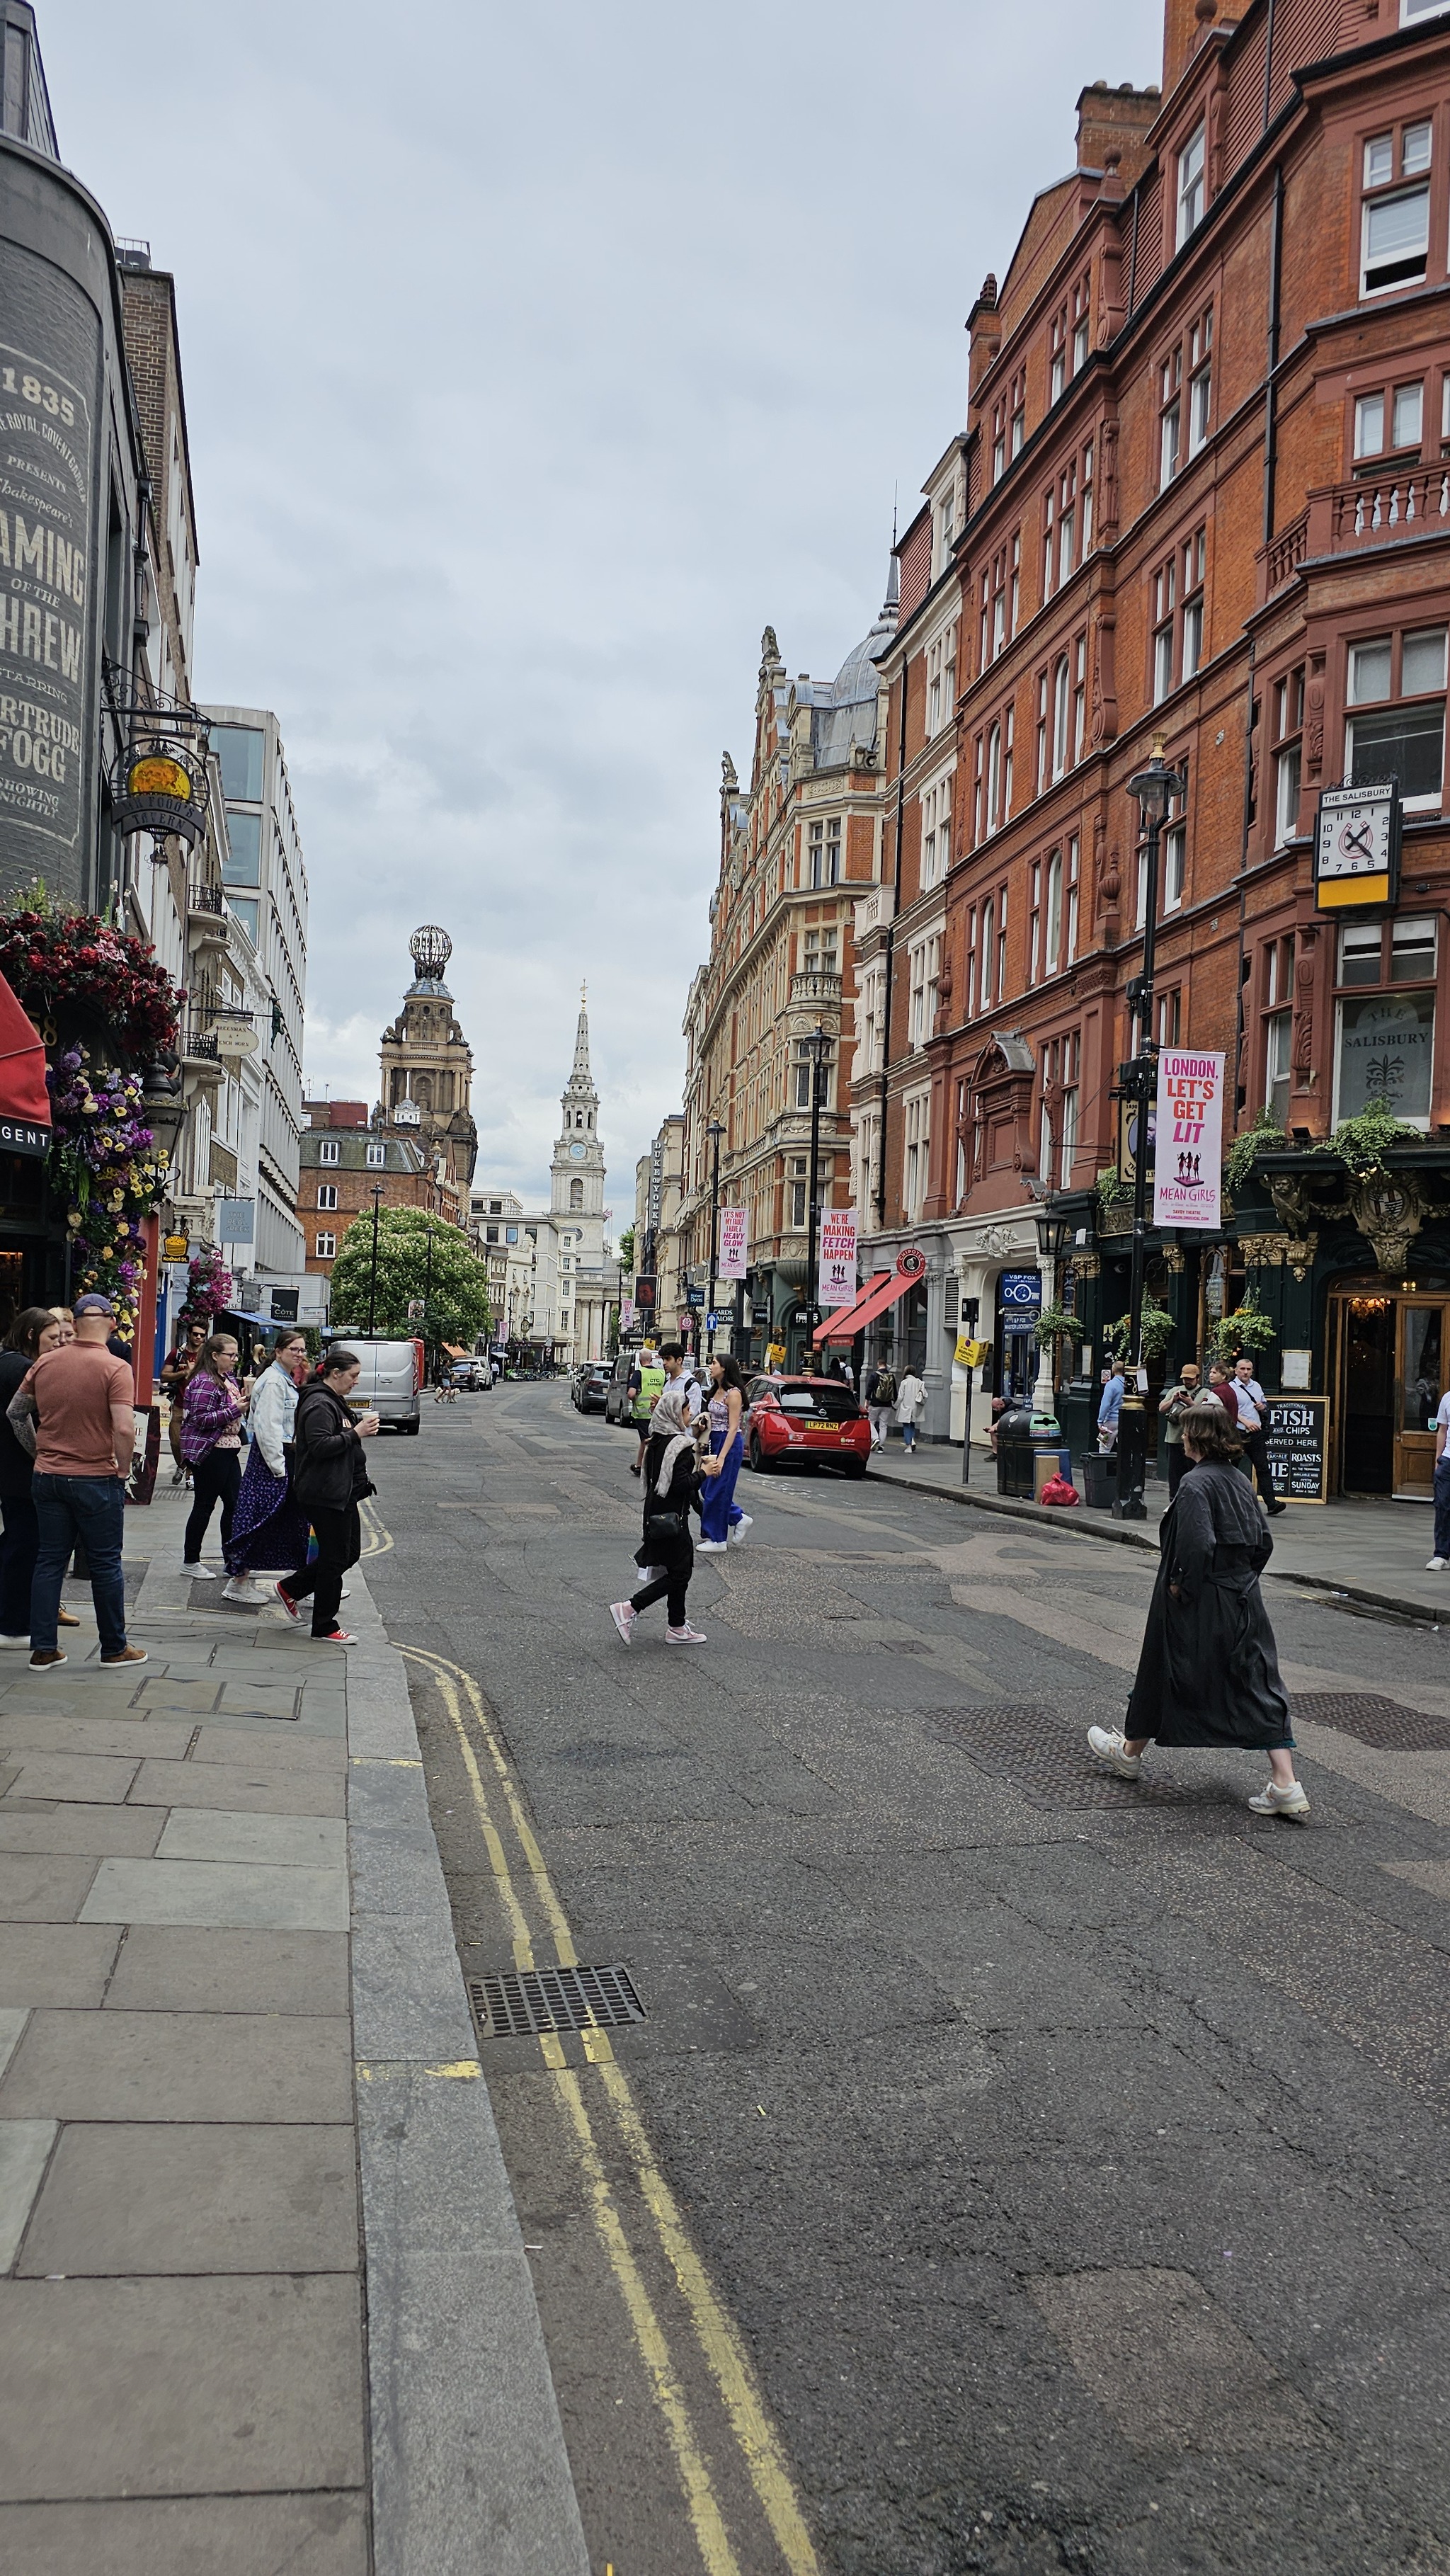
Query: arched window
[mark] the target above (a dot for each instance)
(576, 1198)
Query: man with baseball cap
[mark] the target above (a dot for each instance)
(76, 1418)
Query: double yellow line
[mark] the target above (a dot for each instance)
(528, 1892)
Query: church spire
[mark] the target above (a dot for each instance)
(581, 1079)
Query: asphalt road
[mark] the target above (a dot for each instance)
(1015, 2170)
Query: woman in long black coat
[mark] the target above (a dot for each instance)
(1208, 1673)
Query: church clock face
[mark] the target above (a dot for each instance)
(577, 1153)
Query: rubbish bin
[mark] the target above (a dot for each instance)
(1099, 1479)
(1014, 1454)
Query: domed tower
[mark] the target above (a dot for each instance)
(427, 1064)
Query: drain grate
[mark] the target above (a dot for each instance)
(1041, 1752)
(517, 2003)
(1380, 1722)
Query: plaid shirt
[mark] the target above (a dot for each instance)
(209, 1406)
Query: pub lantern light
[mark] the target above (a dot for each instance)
(1052, 1236)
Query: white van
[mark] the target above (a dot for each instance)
(390, 1381)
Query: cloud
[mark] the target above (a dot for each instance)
(534, 360)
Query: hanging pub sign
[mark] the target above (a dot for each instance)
(1188, 1151)
(837, 1264)
(1357, 846)
(734, 1235)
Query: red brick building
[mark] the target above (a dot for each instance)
(1202, 492)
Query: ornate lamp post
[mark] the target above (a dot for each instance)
(714, 1131)
(1052, 1234)
(819, 1045)
(373, 1274)
(1154, 789)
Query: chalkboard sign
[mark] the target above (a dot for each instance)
(1296, 1432)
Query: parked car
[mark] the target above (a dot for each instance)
(470, 1375)
(390, 1381)
(590, 1390)
(806, 1418)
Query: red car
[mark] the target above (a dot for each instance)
(815, 1418)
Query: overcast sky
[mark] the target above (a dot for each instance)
(535, 359)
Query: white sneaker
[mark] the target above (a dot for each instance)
(1292, 1802)
(239, 1588)
(1436, 1565)
(711, 1546)
(745, 1522)
(197, 1573)
(686, 1636)
(1107, 1743)
(624, 1618)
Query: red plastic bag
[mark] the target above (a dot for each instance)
(1058, 1490)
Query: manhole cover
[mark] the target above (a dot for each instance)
(1041, 1752)
(518, 2002)
(1381, 1722)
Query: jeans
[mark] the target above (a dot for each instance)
(719, 1510)
(908, 1436)
(1256, 1451)
(18, 1550)
(78, 1511)
(216, 1478)
(339, 1545)
(1442, 1506)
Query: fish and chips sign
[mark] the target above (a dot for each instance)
(1188, 1150)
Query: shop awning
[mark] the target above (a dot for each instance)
(875, 1297)
(24, 1099)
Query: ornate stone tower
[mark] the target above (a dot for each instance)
(577, 1170)
(427, 1064)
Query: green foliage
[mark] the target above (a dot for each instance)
(1055, 1323)
(626, 1249)
(1158, 1330)
(457, 1293)
(1248, 1328)
(1361, 1142)
(1265, 1136)
(1111, 1186)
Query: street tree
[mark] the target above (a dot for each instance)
(449, 1279)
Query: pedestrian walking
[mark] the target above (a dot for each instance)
(75, 1412)
(910, 1406)
(176, 1369)
(721, 1518)
(666, 1558)
(33, 1331)
(1245, 1392)
(329, 1481)
(775, 1358)
(1441, 1557)
(212, 1406)
(1208, 1673)
(268, 1527)
(645, 1387)
(1110, 1408)
(880, 1402)
(1171, 1410)
(678, 1374)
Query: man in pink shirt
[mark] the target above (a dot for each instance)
(75, 1409)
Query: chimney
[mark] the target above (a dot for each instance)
(985, 327)
(1116, 121)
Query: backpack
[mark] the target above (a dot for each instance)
(885, 1387)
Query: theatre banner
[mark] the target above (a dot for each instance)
(734, 1242)
(837, 1265)
(1188, 1150)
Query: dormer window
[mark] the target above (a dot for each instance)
(1191, 186)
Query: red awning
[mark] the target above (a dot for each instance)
(24, 1099)
(883, 1291)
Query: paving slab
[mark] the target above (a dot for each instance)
(249, 1698)
(216, 1741)
(408, 1999)
(202, 1783)
(12, 2023)
(166, 1738)
(180, 2066)
(135, 2199)
(40, 1888)
(57, 1963)
(25, 2146)
(100, 1781)
(305, 1841)
(307, 2535)
(169, 1697)
(47, 1826)
(178, 2387)
(162, 1968)
(225, 1895)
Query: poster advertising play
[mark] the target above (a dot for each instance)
(838, 1257)
(734, 1237)
(1188, 1160)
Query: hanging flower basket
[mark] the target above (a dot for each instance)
(87, 985)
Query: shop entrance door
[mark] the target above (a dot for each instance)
(1394, 1345)
(1422, 1347)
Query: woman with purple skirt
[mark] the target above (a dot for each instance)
(268, 1528)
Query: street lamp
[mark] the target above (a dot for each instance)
(1154, 788)
(1052, 1234)
(714, 1131)
(817, 1045)
(373, 1275)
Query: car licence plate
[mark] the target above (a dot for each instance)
(817, 1424)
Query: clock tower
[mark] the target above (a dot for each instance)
(577, 1170)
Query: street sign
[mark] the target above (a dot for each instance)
(804, 1319)
(711, 1320)
(695, 1296)
(1020, 1292)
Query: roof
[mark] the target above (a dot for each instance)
(347, 1151)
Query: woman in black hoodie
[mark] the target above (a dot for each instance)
(672, 1480)
(329, 1480)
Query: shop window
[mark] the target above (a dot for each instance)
(1405, 740)
(1386, 1034)
(1395, 218)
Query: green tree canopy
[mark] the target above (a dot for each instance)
(457, 1293)
(626, 1249)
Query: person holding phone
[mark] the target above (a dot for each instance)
(329, 1481)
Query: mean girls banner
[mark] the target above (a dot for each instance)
(1188, 1156)
(836, 1284)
